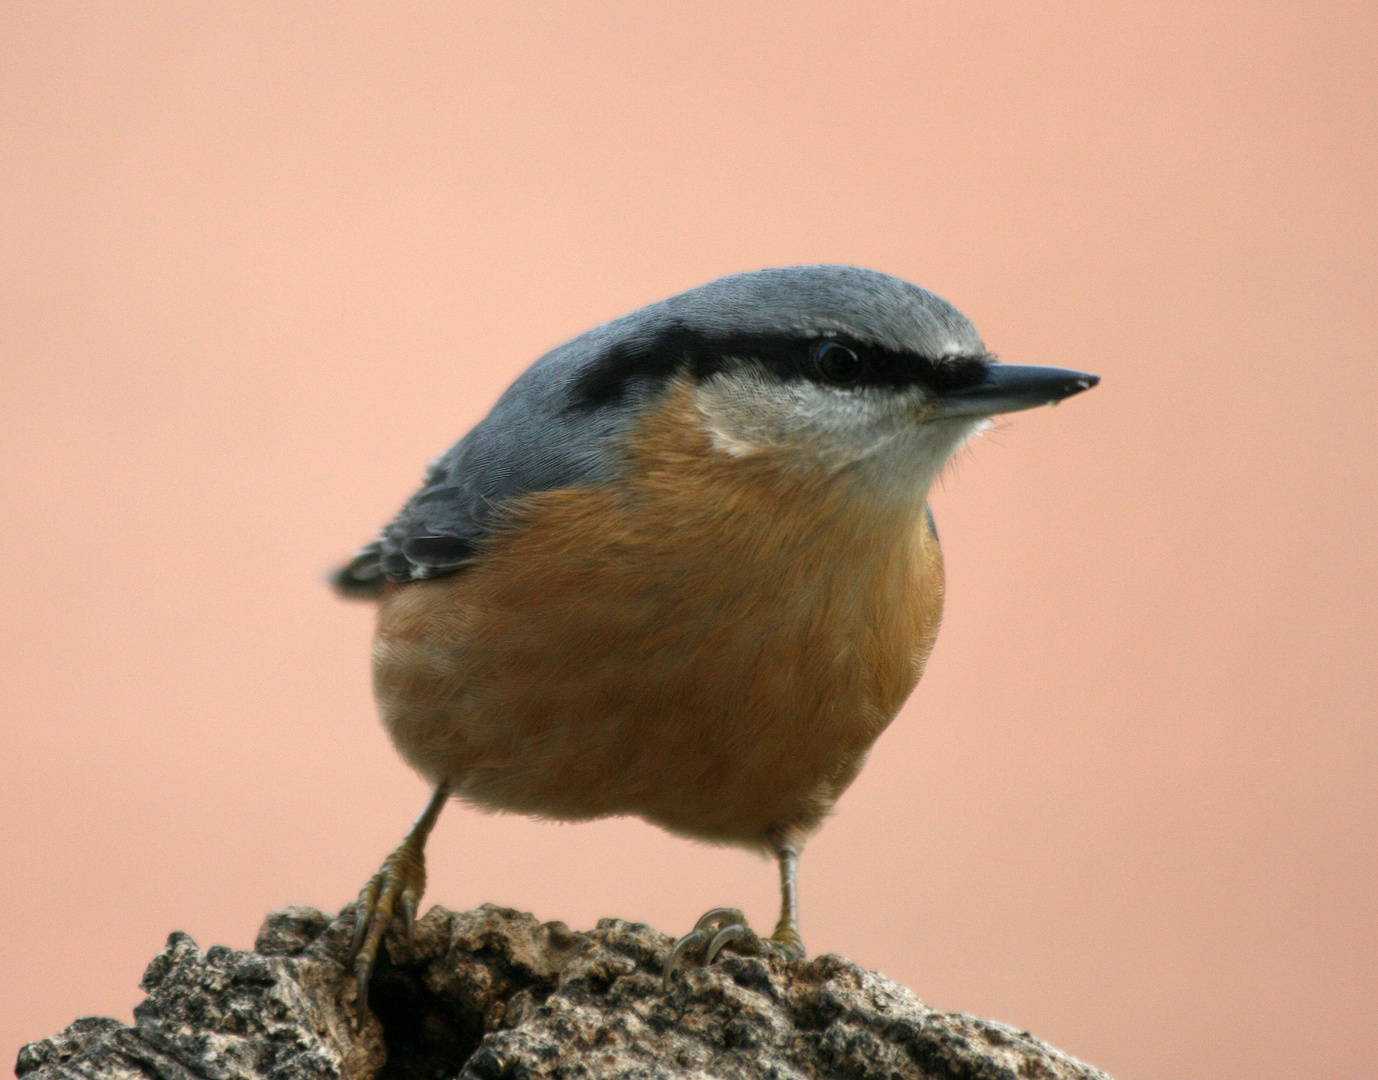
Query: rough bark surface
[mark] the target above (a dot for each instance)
(493, 993)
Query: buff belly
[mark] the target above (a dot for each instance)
(710, 645)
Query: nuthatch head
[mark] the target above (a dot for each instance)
(684, 568)
(833, 366)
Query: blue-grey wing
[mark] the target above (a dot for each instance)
(541, 435)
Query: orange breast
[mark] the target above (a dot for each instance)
(712, 644)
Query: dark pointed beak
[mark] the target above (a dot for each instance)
(1011, 387)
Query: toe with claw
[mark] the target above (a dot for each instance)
(396, 889)
(723, 927)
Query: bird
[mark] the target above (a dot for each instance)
(684, 570)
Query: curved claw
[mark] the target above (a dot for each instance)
(715, 929)
(720, 916)
(731, 932)
(363, 910)
(409, 920)
(682, 946)
(361, 977)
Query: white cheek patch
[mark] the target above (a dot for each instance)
(746, 415)
(811, 426)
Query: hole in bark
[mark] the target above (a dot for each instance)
(426, 1037)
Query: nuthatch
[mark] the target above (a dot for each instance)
(685, 569)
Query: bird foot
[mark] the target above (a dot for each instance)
(727, 928)
(398, 884)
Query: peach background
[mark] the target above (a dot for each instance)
(262, 261)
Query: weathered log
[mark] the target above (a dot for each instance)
(493, 993)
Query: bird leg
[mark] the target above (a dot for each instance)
(787, 929)
(399, 882)
(722, 927)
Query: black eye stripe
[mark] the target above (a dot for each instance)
(653, 360)
(876, 366)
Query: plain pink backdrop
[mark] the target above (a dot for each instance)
(262, 261)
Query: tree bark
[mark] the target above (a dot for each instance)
(493, 993)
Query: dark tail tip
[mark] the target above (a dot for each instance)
(361, 578)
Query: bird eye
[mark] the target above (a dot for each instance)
(837, 363)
